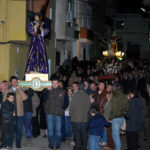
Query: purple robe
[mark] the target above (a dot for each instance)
(37, 57)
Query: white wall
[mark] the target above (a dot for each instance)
(60, 19)
(64, 33)
(83, 13)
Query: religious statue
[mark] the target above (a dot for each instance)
(37, 57)
(36, 72)
(111, 68)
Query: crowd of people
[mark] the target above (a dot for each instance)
(89, 104)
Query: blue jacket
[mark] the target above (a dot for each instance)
(97, 124)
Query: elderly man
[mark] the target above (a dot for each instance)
(3, 87)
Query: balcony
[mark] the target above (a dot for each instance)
(86, 34)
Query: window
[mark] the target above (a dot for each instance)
(50, 14)
(69, 14)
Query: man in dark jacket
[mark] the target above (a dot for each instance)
(134, 120)
(3, 86)
(54, 107)
(79, 108)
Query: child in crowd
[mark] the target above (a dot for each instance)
(96, 128)
(7, 120)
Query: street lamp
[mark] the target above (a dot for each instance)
(143, 9)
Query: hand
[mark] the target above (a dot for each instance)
(18, 87)
(49, 88)
(92, 100)
(41, 29)
(14, 114)
(37, 24)
(110, 121)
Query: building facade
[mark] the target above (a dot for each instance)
(14, 39)
(73, 34)
(64, 28)
(83, 21)
(132, 31)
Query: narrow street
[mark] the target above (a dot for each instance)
(41, 143)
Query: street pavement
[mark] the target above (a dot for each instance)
(41, 143)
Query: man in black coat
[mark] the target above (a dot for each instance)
(134, 120)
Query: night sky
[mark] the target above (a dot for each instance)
(128, 6)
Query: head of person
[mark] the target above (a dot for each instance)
(133, 94)
(116, 78)
(109, 88)
(6, 84)
(13, 81)
(116, 86)
(108, 95)
(86, 84)
(10, 97)
(96, 77)
(73, 74)
(64, 78)
(88, 71)
(94, 110)
(148, 90)
(79, 71)
(79, 79)
(3, 86)
(37, 17)
(60, 84)
(93, 86)
(101, 86)
(141, 74)
(55, 83)
(69, 91)
(75, 86)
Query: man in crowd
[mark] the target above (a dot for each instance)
(119, 107)
(101, 102)
(86, 87)
(3, 87)
(19, 97)
(79, 109)
(93, 87)
(147, 114)
(54, 106)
